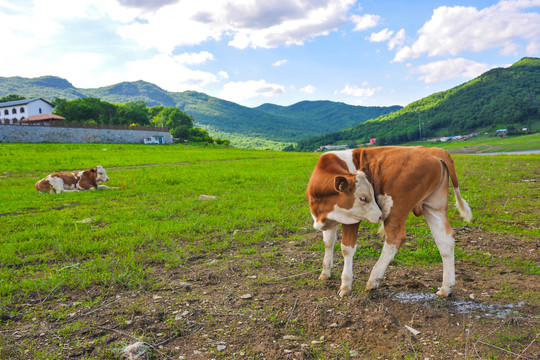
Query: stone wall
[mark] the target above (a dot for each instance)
(40, 134)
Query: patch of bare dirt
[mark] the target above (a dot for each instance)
(227, 306)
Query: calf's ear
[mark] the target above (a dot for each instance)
(341, 184)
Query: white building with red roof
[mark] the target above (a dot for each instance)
(12, 112)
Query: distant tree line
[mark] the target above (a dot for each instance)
(94, 110)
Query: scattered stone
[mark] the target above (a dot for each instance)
(181, 284)
(315, 342)
(197, 352)
(471, 296)
(252, 277)
(181, 316)
(333, 325)
(156, 297)
(84, 221)
(135, 351)
(287, 351)
(414, 331)
(246, 296)
(290, 337)
(353, 353)
(221, 347)
(207, 197)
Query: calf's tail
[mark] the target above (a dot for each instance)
(461, 204)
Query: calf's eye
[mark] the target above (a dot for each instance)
(364, 199)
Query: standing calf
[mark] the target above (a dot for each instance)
(383, 183)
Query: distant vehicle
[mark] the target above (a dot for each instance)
(154, 140)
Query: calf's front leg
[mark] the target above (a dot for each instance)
(348, 248)
(329, 238)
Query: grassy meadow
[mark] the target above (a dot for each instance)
(154, 220)
(99, 243)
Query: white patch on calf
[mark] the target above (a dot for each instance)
(347, 157)
(56, 183)
(385, 204)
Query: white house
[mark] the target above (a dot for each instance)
(12, 112)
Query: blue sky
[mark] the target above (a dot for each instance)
(371, 53)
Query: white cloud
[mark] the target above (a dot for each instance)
(308, 89)
(250, 23)
(279, 62)
(397, 40)
(450, 69)
(194, 58)
(365, 22)
(383, 35)
(453, 30)
(167, 72)
(241, 90)
(356, 91)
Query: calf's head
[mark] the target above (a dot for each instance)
(101, 174)
(351, 200)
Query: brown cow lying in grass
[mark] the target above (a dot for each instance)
(76, 181)
(346, 187)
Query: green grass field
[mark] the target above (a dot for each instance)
(123, 239)
(156, 217)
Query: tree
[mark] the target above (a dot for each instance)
(132, 112)
(288, 148)
(181, 132)
(199, 135)
(11, 97)
(172, 118)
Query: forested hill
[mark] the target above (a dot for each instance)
(284, 124)
(499, 98)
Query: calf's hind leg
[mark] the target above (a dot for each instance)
(443, 234)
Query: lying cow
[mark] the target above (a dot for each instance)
(383, 183)
(77, 181)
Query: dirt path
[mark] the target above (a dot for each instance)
(216, 307)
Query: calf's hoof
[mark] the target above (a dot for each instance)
(324, 276)
(372, 285)
(344, 292)
(444, 292)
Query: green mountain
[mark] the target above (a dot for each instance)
(267, 126)
(499, 98)
(322, 114)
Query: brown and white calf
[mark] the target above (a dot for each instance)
(76, 181)
(383, 183)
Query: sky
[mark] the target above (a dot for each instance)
(370, 53)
